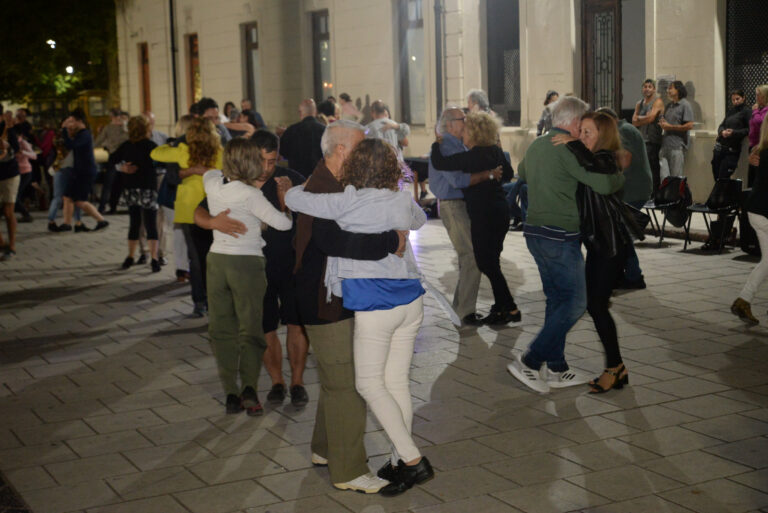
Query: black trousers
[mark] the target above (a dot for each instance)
(602, 276)
(198, 243)
(149, 216)
(111, 189)
(724, 163)
(489, 226)
(653, 159)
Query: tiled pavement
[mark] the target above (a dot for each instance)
(110, 404)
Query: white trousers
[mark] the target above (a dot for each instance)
(759, 273)
(180, 257)
(383, 349)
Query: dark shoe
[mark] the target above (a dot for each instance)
(52, 227)
(423, 195)
(200, 311)
(503, 316)
(631, 285)
(388, 471)
(277, 394)
(25, 219)
(407, 476)
(65, 227)
(234, 404)
(299, 397)
(620, 378)
(251, 402)
(81, 228)
(101, 225)
(473, 319)
(182, 276)
(142, 259)
(155, 266)
(8, 255)
(128, 262)
(744, 311)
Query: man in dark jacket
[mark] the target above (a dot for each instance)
(300, 143)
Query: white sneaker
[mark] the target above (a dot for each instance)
(319, 461)
(527, 376)
(563, 379)
(367, 483)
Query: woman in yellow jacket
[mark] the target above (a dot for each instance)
(199, 151)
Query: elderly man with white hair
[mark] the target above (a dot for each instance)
(337, 440)
(552, 234)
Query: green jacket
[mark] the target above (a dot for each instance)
(553, 174)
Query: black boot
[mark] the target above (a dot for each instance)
(407, 476)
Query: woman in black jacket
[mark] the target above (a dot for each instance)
(486, 205)
(139, 187)
(606, 237)
(730, 134)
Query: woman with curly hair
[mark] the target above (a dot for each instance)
(140, 187)
(197, 152)
(486, 205)
(386, 296)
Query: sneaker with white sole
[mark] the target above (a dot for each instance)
(527, 376)
(367, 483)
(319, 461)
(563, 379)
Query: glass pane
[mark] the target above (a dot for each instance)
(414, 40)
(604, 59)
(255, 93)
(254, 35)
(325, 69)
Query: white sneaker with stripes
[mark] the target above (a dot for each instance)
(569, 378)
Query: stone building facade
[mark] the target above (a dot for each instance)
(419, 54)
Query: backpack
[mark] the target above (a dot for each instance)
(674, 195)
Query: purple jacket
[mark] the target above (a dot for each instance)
(754, 125)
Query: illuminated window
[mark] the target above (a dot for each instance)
(322, 55)
(411, 22)
(251, 58)
(146, 100)
(503, 27)
(194, 80)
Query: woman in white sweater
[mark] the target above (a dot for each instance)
(236, 280)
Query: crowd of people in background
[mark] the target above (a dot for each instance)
(321, 245)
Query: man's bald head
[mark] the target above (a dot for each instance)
(307, 108)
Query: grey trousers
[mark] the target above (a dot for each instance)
(675, 158)
(456, 221)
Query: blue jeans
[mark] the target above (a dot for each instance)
(632, 271)
(60, 180)
(561, 267)
(514, 190)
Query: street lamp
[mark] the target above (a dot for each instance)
(70, 69)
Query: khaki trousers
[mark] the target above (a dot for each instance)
(341, 412)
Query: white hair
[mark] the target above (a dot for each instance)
(442, 124)
(567, 109)
(334, 135)
(479, 97)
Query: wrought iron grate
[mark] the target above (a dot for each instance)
(746, 46)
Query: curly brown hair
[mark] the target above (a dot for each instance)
(372, 164)
(204, 143)
(138, 129)
(481, 128)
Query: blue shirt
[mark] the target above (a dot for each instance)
(368, 294)
(448, 184)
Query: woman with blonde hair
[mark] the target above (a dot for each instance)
(486, 205)
(199, 151)
(757, 211)
(139, 187)
(606, 240)
(236, 276)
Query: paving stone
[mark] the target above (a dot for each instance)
(670, 440)
(70, 497)
(718, 496)
(90, 469)
(235, 468)
(54, 432)
(320, 504)
(482, 503)
(123, 421)
(150, 483)
(623, 483)
(747, 452)
(108, 443)
(552, 497)
(465, 482)
(694, 467)
(729, 428)
(164, 504)
(169, 455)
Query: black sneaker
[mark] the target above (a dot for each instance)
(234, 404)
(277, 394)
(503, 316)
(52, 227)
(251, 402)
(632, 285)
(127, 263)
(81, 228)
(473, 319)
(299, 397)
(155, 266)
(101, 225)
(407, 476)
(142, 259)
(65, 227)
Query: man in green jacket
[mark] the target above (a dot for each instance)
(552, 235)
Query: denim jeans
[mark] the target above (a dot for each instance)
(515, 190)
(561, 267)
(60, 180)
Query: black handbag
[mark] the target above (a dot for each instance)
(640, 218)
(725, 194)
(671, 191)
